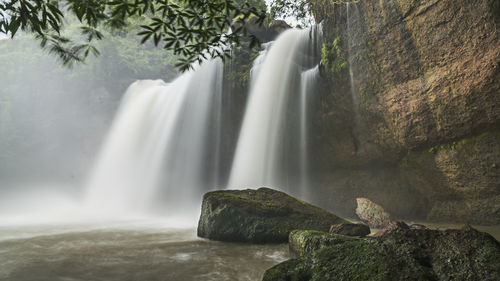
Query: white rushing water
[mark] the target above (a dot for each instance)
(266, 144)
(156, 150)
(163, 149)
(308, 82)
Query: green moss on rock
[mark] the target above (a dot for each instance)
(302, 242)
(258, 216)
(332, 55)
(418, 254)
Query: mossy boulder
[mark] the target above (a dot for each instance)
(412, 254)
(258, 216)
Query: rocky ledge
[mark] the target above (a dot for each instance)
(258, 216)
(406, 254)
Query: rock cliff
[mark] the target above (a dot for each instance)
(409, 109)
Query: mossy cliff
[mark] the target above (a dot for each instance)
(408, 112)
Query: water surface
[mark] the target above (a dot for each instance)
(127, 252)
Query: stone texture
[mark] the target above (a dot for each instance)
(301, 242)
(258, 216)
(421, 107)
(466, 255)
(374, 215)
(350, 229)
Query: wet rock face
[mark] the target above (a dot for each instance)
(466, 254)
(372, 213)
(265, 32)
(258, 216)
(425, 104)
(350, 229)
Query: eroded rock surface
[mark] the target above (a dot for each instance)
(258, 216)
(413, 120)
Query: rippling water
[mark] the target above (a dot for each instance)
(127, 251)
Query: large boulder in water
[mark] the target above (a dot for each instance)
(407, 254)
(259, 216)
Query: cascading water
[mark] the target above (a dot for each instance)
(307, 82)
(163, 149)
(161, 136)
(269, 144)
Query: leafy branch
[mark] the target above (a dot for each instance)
(194, 29)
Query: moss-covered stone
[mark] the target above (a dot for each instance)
(421, 254)
(302, 242)
(259, 216)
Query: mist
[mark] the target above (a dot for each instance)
(53, 119)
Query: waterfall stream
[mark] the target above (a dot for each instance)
(271, 146)
(158, 153)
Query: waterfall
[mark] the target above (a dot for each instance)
(161, 151)
(308, 82)
(269, 144)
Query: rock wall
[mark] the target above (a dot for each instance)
(409, 108)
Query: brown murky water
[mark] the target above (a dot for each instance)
(135, 251)
(128, 253)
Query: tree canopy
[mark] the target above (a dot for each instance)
(192, 29)
(48, 111)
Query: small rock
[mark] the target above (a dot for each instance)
(373, 214)
(350, 229)
(392, 227)
(418, 226)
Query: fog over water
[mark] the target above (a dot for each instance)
(54, 119)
